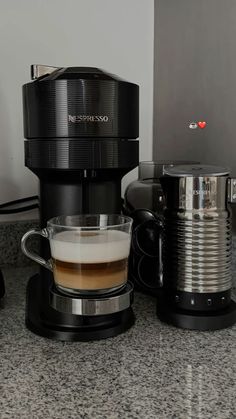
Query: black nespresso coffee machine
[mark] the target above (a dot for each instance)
(80, 125)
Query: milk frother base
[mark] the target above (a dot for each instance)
(43, 320)
(187, 319)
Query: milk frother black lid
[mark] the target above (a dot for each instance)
(79, 102)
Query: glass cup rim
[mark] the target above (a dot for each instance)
(126, 221)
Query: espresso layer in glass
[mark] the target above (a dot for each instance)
(90, 276)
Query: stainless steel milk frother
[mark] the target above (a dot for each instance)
(197, 251)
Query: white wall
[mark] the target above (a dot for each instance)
(116, 35)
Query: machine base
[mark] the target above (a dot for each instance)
(185, 319)
(43, 320)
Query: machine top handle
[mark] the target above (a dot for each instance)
(39, 70)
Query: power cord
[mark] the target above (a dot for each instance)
(18, 202)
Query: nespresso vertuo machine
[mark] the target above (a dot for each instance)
(80, 124)
(197, 265)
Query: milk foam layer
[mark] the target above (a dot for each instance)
(90, 247)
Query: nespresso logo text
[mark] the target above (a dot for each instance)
(87, 118)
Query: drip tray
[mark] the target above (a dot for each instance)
(90, 306)
(44, 320)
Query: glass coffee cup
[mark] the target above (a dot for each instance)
(89, 253)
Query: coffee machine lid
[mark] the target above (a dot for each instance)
(46, 73)
(196, 170)
(79, 102)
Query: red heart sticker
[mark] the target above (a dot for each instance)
(201, 124)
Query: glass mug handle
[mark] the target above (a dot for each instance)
(31, 255)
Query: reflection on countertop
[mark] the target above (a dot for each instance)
(151, 371)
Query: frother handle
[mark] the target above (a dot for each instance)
(32, 255)
(232, 190)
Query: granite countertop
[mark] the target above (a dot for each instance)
(151, 371)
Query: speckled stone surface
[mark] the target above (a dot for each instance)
(153, 371)
(10, 238)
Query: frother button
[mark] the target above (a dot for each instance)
(222, 300)
(209, 301)
(192, 301)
